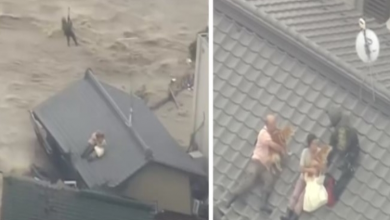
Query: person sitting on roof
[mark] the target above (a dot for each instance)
(345, 143)
(259, 166)
(316, 194)
(295, 205)
(95, 148)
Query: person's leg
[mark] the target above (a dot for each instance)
(249, 180)
(342, 183)
(88, 150)
(295, 197)
(68, 40)
(268, 179)
(350, 160)
(299, 205)
(74, 38)
(92, 156)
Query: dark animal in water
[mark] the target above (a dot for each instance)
(67, 28)
(193, 45)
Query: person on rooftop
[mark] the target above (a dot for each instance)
(345, 148)
(295, 205)
(259, 166)
(96, 145)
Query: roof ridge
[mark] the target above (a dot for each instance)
(299, 42)
(92, 79)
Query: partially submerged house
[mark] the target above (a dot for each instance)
(24, 198)
(141, 160)
(296, 58)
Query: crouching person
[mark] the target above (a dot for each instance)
(295, 205)
(345, 149)
(96, 145)
(259, 167)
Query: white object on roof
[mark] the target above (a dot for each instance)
(71, 183)
(99, 151)
(367, 48)
(373, 46)
(196, 154)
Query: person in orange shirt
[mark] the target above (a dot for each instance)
(259, 165)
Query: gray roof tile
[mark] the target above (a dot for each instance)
(253, 77)
(331, 25)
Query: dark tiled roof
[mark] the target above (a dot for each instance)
(331, 27)
(34, 200)
(255, 75)
(87, 105)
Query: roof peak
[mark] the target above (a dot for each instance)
(89, 75)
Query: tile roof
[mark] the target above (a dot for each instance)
(256, 73)
(87, 105)
(25, 198)
(331, 26)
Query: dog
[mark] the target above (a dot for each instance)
(281, 137)
(319, 159)
(67, 28)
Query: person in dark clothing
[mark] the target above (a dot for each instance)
(345, 143)
(67, 28)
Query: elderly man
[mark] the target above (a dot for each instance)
(259, 165)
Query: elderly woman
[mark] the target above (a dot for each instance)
(295, 205)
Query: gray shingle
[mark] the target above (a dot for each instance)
(276, 81)
(331, 25)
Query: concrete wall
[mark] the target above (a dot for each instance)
(168, 187)
(201, 95)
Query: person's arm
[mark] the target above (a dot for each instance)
(304, 168)
(92, 139)
(265, 139)
(310, 170)
(102, 143)
(276, 147)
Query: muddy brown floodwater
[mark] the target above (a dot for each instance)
(126, 42)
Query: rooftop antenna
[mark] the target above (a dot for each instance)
(367, 48)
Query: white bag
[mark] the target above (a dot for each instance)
(315, 194)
